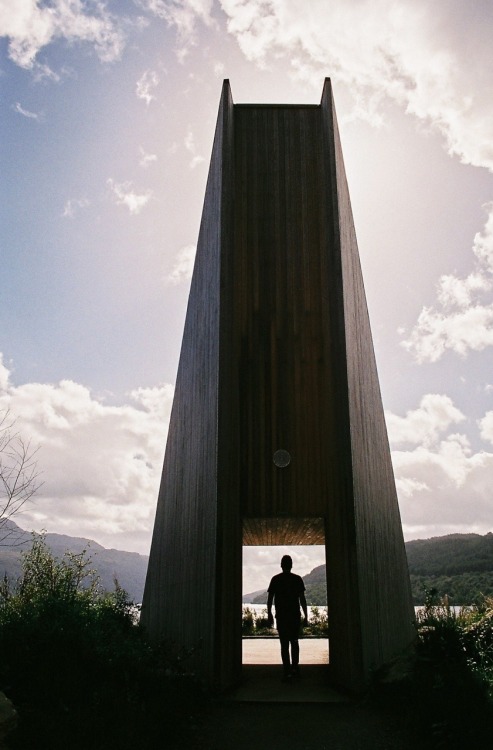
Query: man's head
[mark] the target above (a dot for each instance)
(286, 563)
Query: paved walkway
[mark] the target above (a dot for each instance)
(302, 714)
(262, 674)
(267, 651)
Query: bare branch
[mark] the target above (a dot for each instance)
(19, 478)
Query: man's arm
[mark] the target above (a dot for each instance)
(303, 606)
(270, 599)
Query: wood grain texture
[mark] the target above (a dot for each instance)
(385, 605)
(180, 597)
(277, 355)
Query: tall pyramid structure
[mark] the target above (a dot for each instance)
(277, 433)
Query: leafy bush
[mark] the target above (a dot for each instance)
(256, 623)
(76, 664)
(444, 691)
(248, 621)
(318, 623)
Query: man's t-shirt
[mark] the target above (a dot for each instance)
(287, 589)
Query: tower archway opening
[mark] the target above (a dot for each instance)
(265, 541)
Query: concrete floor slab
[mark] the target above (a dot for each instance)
(262, 674)
(267, 651)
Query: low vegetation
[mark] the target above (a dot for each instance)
(255, 623)
(81, 674)
(458, 566)
(77, 666)
(444, 692)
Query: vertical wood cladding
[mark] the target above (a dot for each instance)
(181, 594)
(281, 312)
(277, 354)
(384, 593)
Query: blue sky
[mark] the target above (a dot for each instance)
(108, 115)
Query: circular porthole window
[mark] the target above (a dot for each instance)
(282, 458)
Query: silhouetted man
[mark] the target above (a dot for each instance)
(287, 591)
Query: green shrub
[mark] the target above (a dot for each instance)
(442, 693)
(248, 621)
(76, 664)
(256, 623)
(318, 623)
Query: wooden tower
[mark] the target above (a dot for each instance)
(277, 432)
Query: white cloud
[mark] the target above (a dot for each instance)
(486, 426)
(443, 486)
(100, 464)
(261, 563)
(462, 320)
(483, 242)
(435, 332)
(30, 26)
(25, 112)
(4, 376)
(125, 195)
(411, 52)
(455, 292)
(145, 158)
(146, 84)
(183, 265)
(424, 425)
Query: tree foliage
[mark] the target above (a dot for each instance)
(76, 664)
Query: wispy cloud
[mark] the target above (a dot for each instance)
(462, 318)
(145, 86)
(183, 15)
(25, 112)
(182, 266)
(146, 159)
(73, 205)
(30, 26)
(43, 72)
(219, 69)
(101, 464)
(191, 148)
(124, 194)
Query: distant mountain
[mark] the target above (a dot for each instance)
(251, 597)
(128, 567)
(316, 589)
(451, 555)
(457, 565)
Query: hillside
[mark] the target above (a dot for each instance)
(128, 567)
(451, 555)
(457, 565)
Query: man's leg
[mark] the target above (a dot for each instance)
(284, 640)
(285, 654)
(295, 654)
(295, 647)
